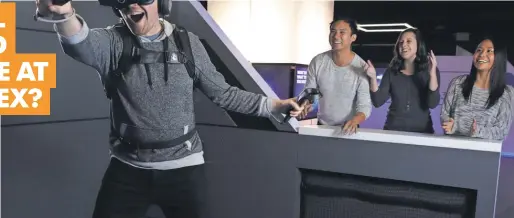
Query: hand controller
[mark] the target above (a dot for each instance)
(49, 18)
(60, 2)
(307, 95)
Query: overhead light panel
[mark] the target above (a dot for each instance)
(385, 27)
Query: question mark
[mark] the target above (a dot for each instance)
(36, 97)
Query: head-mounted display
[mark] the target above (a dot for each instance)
(120, 4)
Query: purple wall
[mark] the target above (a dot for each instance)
(450, 67)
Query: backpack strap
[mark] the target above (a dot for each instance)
(181, 37)
(125, 61)
(128, 56)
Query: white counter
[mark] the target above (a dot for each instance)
(379, 135)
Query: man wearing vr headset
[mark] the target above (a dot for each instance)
(151, 108)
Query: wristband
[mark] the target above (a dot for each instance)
(40, 17)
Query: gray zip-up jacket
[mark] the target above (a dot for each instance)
(150, 108)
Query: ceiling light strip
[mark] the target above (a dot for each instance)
(361, 27)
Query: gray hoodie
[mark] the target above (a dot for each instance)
(149, 108)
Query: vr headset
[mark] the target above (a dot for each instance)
(121, 4)
(163, 5)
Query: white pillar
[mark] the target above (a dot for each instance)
(275, 31)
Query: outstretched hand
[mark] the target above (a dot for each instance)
(307, 108)
(281, 105)
(297, 109)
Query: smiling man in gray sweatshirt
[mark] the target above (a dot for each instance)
(340, 75)
(153, 104)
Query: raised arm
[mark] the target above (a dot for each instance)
(380, 94)
(98, 48)
(499, 129)
(93, 47)
(213, 84)
(433, 95)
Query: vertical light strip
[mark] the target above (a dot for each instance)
(271, 33)
(234, 18)
(278, 31)
(312, 29)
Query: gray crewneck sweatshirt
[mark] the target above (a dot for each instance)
(345, 89)
(149, 108)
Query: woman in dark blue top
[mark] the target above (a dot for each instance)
(412, 81)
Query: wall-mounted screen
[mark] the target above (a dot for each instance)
(300, 78)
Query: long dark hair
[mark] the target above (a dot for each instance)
(496, 79)
(421, 63)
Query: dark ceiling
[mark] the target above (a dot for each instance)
(453, 16)
(438, 21)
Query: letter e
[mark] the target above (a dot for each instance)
(4, 71)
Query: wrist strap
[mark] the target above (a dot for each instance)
(40, 17)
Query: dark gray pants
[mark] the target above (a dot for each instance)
(127, 192)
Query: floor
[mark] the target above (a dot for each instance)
(505, 201)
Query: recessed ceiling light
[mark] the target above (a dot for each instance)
(362, 27)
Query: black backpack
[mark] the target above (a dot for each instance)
(132, 53)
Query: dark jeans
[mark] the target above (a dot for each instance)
(127, 192)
